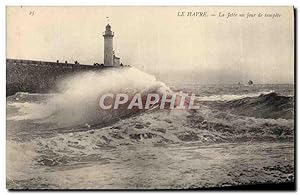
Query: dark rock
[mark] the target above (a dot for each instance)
(139, 126)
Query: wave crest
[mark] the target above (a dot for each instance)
(77, 102)
(271, 105)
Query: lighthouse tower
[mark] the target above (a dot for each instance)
(108, 46)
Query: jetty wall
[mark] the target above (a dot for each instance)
(39, 76)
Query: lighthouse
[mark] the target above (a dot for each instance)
(110, 59)
(108, 46)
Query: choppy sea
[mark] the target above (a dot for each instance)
(240, 135)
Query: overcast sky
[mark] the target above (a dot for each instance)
(201, 49)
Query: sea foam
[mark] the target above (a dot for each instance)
(78, 97)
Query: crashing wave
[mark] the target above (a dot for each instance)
(77, 102)
(226, 97)
(270, 105)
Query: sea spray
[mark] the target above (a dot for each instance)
(77, 100)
